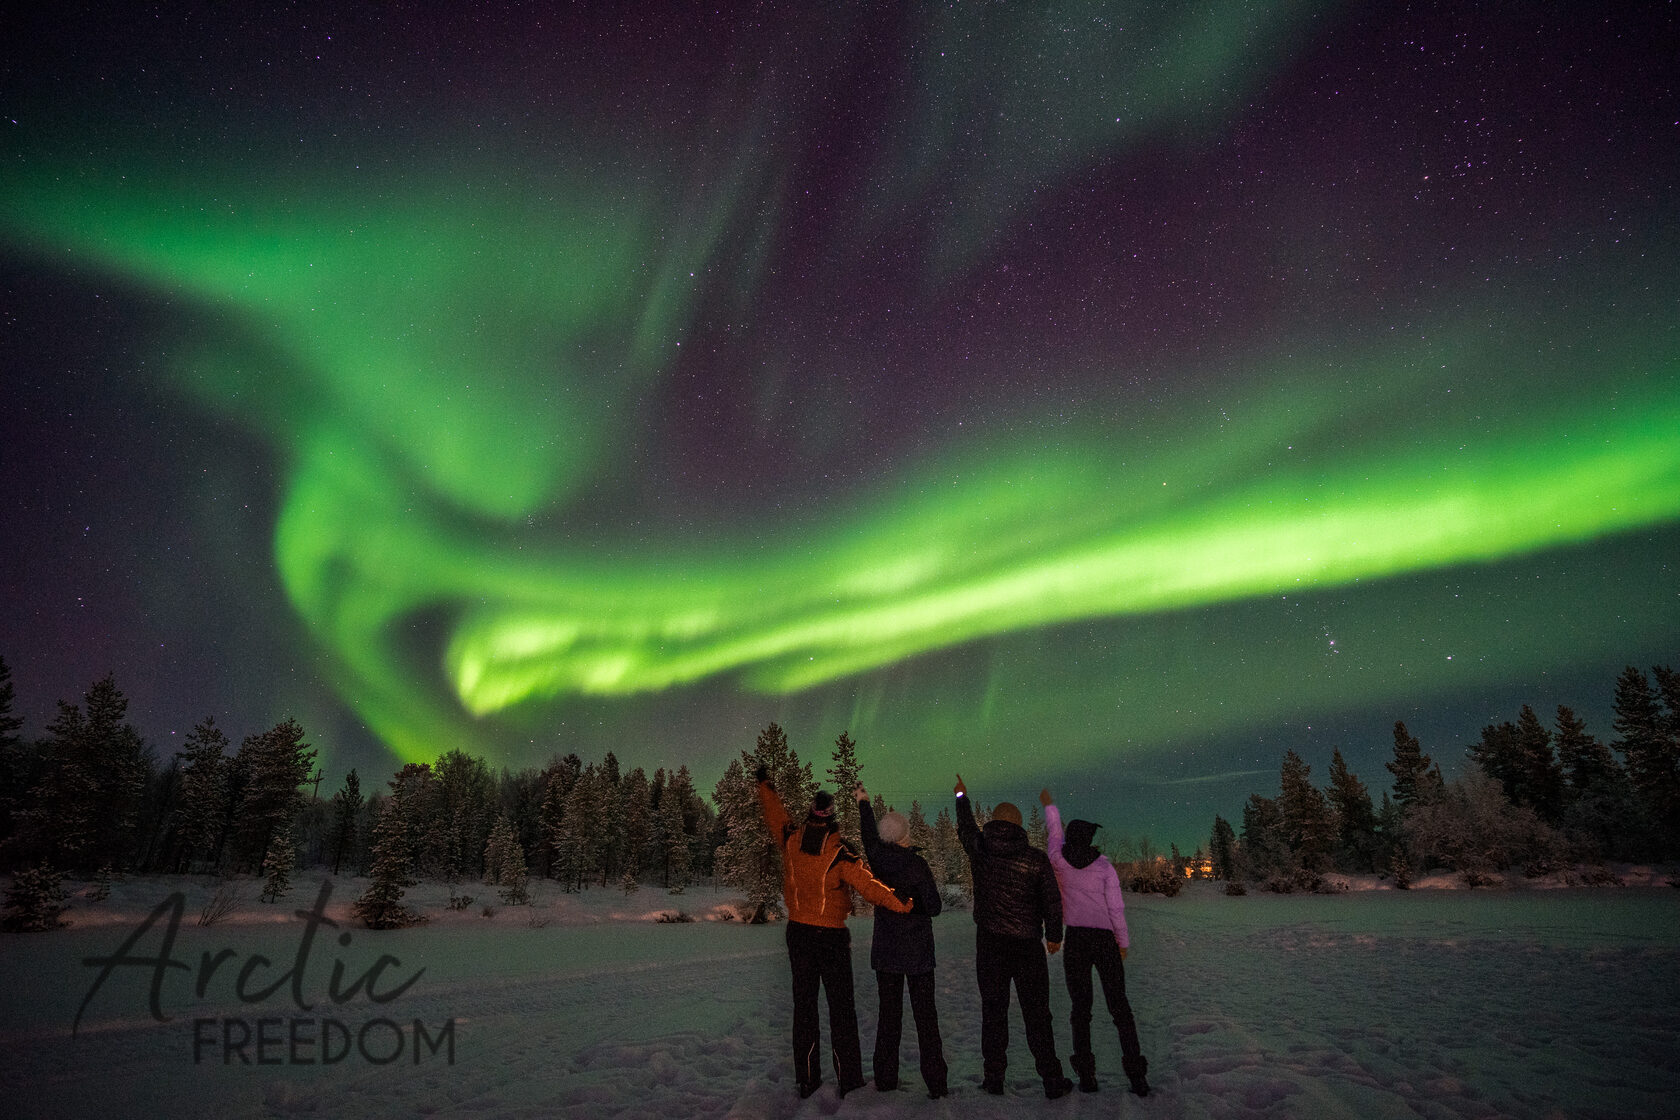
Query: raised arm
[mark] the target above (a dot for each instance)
(967, 831)
(866, 822)
(1054, 837)
(775, 815)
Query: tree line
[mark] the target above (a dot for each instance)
(1533, 796)
(91, 797)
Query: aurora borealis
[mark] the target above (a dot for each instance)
(1108, 395)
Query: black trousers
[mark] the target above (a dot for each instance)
(890, 987)
(823, 956)
(1085, 949)
(998, 962)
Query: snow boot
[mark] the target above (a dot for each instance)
(993, 1085)
(1056, 1087)
(1085, 1065)
(1136, 1067)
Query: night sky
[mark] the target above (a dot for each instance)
(1110, 396)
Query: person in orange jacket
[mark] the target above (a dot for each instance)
(817, 868)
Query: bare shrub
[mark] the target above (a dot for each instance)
(223, 904)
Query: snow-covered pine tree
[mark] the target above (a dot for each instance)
(380, 906)
(921, 836)
(1265, 845)
(636, 815)
(36, 900)
(673, 827)
(1410, 768)
(746, 860)
(1600, 814)
(85, 807)
(1037, 831)
(278, 862)
(948, 848)
(578, 842)
(201, 813)
(512, 877)
(466, 810)
(496, 850)
(276, 764)
(557, 782)
(1648, 737)
(1355, 817)
(1308, 827)
(611, 824)
(1222, 849)
(793, 780)
(846, 773)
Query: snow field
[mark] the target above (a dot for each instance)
(1435, 1004)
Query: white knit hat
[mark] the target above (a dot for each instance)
(893, 828)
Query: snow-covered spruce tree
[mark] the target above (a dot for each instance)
(1519, 757)
(276, 764)
(85, 807)
(1265, 847)
(504, 863)
(1410, 768)
(278, 863)
(1355, 817)
(1222, 849)
(513, 886)
(578, 841)
(636, 815)
(1648, 737)
(465, 811)
(846, 773)
(1601, 817)
(610, 826)
(921, 837)
(36, 900)
(380, 906)
(202, 812)
(746, 860)
(674, 832)
(1308, 827)
(496, 849)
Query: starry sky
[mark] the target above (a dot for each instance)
(1102, 395)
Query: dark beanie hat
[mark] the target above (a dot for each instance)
(822, 805)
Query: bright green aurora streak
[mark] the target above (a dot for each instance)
(453, 357)
(972, 545)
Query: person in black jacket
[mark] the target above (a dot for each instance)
(902, 954)
(1016, 901)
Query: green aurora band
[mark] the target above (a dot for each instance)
(447, 365)
(974, 544)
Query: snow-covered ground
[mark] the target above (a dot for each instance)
(1370, 1004)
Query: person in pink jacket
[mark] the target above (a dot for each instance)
(1096, 937)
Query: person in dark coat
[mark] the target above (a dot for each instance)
(902, 954)
(1016, 903)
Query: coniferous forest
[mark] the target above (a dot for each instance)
(92, 799)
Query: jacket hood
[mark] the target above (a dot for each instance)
(1078, 850)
